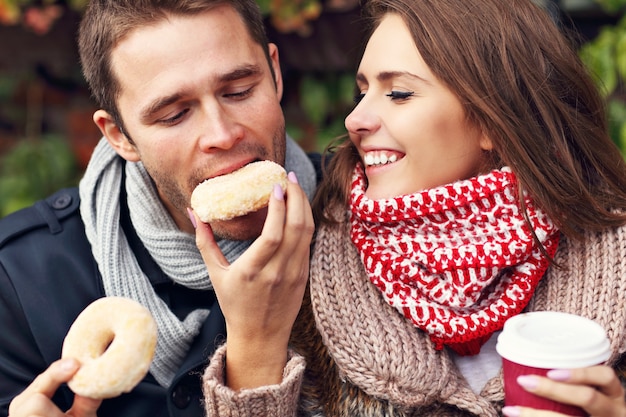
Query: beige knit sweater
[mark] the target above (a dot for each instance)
(357, 356)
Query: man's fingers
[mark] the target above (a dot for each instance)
(84, 407)
(34, 405)
(35, 399)
(49, 381)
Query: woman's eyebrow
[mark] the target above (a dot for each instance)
(390, 75)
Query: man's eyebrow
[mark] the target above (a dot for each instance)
(240, 72)
(155, 106)
(237, 74)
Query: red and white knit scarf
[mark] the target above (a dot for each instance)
(457, 260)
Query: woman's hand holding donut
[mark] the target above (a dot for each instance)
(36, 400)
(596, 389)
(261, 292)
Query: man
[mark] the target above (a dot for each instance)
(188, 90)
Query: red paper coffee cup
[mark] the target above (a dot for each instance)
(534, 343)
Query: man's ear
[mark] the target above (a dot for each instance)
(273, 51)
(117, 139)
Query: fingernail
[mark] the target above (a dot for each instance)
(292, 177)
(559, 374)
(509, 411)
(68, 365)
(279, 194)
(528, 381)
(192, 218)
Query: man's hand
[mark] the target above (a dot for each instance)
(261, 292)
(35, 400)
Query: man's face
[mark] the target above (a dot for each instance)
(198, 100)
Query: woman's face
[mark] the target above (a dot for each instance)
(409, 128)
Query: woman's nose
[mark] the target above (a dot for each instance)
(363, 119)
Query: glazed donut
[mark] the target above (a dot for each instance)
(114, 339)
(241, 192)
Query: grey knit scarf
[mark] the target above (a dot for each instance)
(172, 249)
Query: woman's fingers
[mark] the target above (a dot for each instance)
(286, 234)
(602, 377)
(265, 246)
(529, 412)
(300, 219)
(205, 241)
(595, 389)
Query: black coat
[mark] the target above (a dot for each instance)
(48, 276)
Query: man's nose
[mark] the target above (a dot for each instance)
(219, 129)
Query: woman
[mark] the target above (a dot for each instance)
(479, 181)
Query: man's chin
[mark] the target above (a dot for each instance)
(246, 227)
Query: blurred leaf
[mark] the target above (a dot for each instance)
(612, 6)
(620, 136)
(314, 99)
(620, 51)
(331, 132)
(265, 6)
(617, 123)
(78, 4)
(34, 169)
(8, 84)
(599, 56)
(347, 89)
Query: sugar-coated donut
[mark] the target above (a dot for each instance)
(114, 339)
(241, 192)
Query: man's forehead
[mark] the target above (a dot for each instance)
(185, 45)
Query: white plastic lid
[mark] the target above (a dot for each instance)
(553, 340)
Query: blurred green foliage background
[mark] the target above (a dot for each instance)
(605, 56)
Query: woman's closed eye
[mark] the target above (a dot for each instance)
(400, 95)
(394, 95)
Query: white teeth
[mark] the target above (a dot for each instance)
(373, 158)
